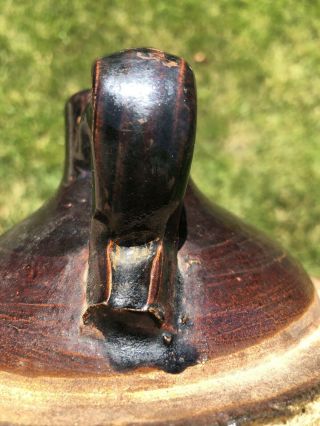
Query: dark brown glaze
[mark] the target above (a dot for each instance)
(229, 287)
(246, 287)
(42, 258)
(143, 136)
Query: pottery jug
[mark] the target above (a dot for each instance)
(130, 299)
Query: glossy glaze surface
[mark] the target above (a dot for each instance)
(229, 287)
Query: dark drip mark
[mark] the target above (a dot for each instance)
(135, 339)
(127, 352)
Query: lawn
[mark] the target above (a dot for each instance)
(257, 65)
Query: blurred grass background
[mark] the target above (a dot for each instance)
(257, 69)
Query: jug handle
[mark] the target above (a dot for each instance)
(143, 121)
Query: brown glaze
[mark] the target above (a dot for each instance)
(227, 287)
(246, 287)
(41, 257)
(143, 127)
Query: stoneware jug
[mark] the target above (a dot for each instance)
(129, 299)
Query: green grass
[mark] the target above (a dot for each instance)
(257, 151)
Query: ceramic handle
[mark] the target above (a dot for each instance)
(143, 127)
